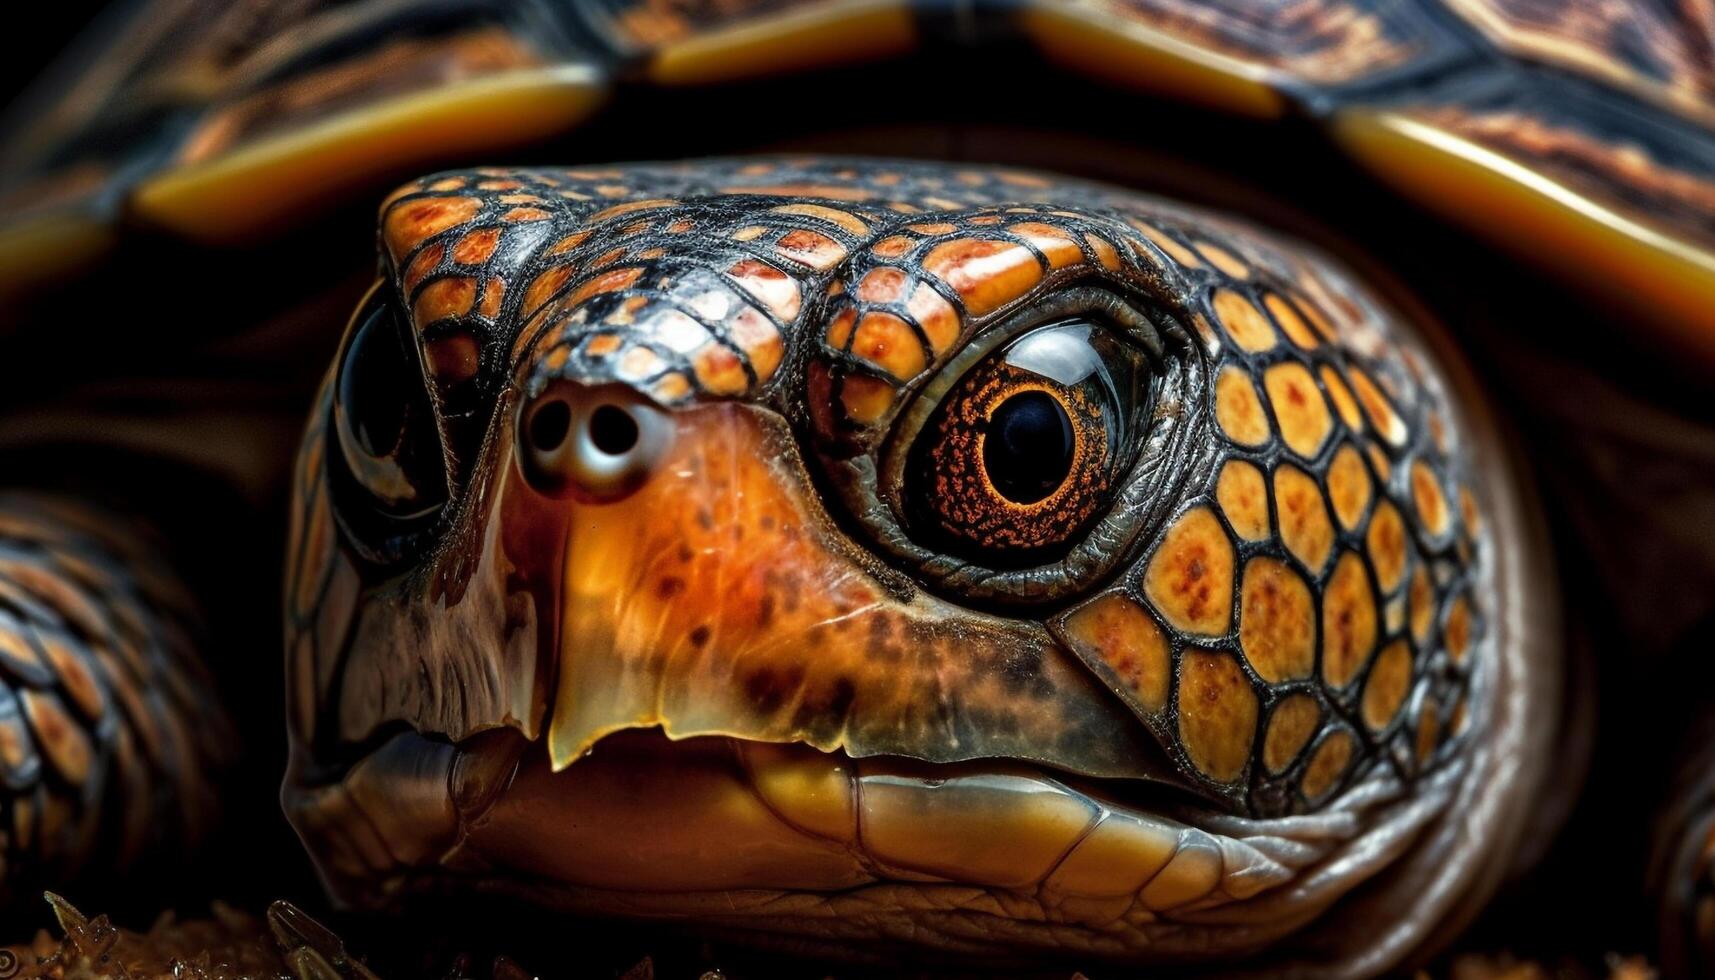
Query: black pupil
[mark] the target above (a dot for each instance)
(1028, 448)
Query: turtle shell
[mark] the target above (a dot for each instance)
(1581, 124)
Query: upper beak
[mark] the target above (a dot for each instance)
(716, 597)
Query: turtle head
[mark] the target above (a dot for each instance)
(890, 553)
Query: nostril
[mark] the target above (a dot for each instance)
(591, 442)
(550, 425)
(612, 430)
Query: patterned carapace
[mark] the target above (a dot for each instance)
(1585, 119)
(1285, 584)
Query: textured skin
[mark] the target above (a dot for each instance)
(110, 732)
(1351, 576)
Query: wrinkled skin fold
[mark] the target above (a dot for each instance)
(668, 629)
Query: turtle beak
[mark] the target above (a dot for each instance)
(699, 587)
(646, 635)
(741, 698)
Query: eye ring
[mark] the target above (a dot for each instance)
(1171, 448)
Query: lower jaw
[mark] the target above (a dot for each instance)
(783, 841)
(644, 814)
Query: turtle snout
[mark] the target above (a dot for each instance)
(596, 442)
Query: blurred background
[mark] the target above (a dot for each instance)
(25, 53)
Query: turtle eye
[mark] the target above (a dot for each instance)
(384, 425)
(1023, 452)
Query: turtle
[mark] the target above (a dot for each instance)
(909, 560)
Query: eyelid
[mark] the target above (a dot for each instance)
(1080, 301)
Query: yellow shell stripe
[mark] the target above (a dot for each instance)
(258, 187)
(49, 248)
(1220, 55)
(808, 36)
(1664, 278)
(1134, 53)
(261, 159)
(277, 162)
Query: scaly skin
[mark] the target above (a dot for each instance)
(1295, 637)
(111, 736)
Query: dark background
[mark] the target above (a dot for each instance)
(26, 51)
